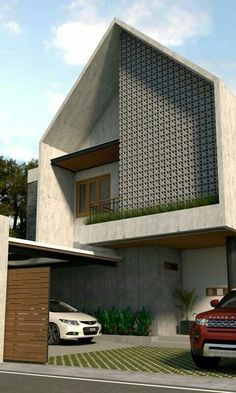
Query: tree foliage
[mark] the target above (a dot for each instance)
(13, 192)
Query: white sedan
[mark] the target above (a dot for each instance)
(67, 323)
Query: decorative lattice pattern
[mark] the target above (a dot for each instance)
(167, 129)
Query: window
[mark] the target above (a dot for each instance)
(91, 191)
(216, 291)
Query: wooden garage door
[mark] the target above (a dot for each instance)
(26, 328)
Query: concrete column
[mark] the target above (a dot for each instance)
(4, 233)
(231, 261)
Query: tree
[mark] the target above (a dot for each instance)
(13, 192)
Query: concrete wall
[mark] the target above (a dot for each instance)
(31, 210)
(55, 209)
(4, 233)
(139, 280)
(107, 127)
(227, 123)
(204, 268)
(153, 225)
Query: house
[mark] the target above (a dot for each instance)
(141, 159)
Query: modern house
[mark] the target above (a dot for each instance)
(140, 158)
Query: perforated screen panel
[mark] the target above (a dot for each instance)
(167, 129)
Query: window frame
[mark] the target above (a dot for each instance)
(86, 182)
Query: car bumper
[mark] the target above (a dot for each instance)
(72, 332)
(212, 342)
(221, 350)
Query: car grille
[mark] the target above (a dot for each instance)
(221, 323)
(88, 331)
(89, 322)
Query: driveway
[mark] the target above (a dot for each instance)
(73, 347)
(169, 360)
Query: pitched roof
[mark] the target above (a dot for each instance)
(95, 87)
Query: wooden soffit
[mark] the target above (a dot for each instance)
(91, 157)
(182, 241)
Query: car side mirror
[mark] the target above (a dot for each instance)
(214, 302)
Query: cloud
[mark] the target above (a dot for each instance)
(171, 22)
(6, 21)
(224, 69)
(18, 143)
(78, 40)
(12, 27)
(177, 25)
(54, 100)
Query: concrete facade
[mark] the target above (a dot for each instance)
(201, 269)
(139, 280)
(4, 233)
(176, 125)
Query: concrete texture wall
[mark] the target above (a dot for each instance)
(55, 208)
(153, 225)
(4, 233)
(139, 280)
(31, 210)
(107, 127)
(204, 268)
(227, 123)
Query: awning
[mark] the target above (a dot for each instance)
(30, 253)
(91, 157)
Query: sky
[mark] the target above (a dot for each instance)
(44, 45)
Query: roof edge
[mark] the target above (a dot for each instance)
(148, 40)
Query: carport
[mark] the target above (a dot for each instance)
(27, 293)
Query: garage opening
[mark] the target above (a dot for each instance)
(28, 294)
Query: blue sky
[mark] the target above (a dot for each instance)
(44, 45)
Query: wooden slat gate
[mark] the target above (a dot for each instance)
(26, 327)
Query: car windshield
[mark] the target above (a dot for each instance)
(57, 306)
(228, 301)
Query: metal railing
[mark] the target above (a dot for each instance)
(104, 208)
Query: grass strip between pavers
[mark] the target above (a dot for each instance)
(150, 359)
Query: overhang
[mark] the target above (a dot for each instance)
(91, 157)
(212, 237)
(30, 253)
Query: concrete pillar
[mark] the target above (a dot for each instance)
(4, 233)
(231, 261)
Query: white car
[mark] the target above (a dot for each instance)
(67, 323)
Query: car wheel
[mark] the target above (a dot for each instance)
(87, 340)
(205, 362)
(53, 334)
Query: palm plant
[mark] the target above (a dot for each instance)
(187, 300)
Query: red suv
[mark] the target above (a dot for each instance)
(213, 334)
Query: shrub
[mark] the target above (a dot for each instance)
(125, 321)
(186, 300)
(120, 215)
(143, 323)
(108, 320)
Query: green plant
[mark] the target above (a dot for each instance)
(130, 213)
(126, 321)
(144, 321)
(186, 300)
(108, 320)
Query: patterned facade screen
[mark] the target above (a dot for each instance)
(167, 129)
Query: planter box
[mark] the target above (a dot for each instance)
(185, 327)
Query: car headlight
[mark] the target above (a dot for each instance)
(201, 322)
(69, 321)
